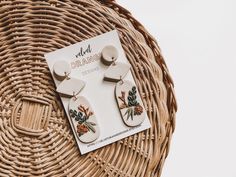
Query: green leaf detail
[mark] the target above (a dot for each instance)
(132, 105)
(133, 88)
(132, 98)
(130, 113)
(81, 118)
(90, 127)
(91, 123)
(73, 113)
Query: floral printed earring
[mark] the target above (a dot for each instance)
(82, 117)
(126, 93)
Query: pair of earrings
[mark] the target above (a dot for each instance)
(82, 116)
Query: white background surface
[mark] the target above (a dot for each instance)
(198, 41)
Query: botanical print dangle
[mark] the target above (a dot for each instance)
(129, 103)
(83, 119)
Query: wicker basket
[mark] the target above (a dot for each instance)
(31, 28)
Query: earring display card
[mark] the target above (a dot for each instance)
(85, 61)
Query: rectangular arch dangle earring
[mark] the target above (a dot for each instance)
(80, 111)
(126, 94)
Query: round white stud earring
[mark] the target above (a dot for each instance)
(82, 117)
(61, 69)
(109, 55)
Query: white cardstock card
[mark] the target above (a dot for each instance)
(85, 61)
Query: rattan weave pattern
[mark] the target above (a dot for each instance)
(35, 137)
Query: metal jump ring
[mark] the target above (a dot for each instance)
(67, 75)
(75, 95)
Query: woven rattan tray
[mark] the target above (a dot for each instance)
(46, 147)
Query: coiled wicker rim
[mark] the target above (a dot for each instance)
(28, 30)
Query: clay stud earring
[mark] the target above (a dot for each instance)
(126, 93)
(83, 119)
(109, 55)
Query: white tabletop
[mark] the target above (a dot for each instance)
(198, 40)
